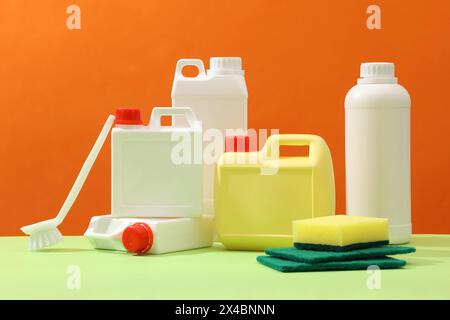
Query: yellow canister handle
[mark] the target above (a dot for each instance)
(271, 149)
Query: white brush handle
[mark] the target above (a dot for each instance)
(85, 170)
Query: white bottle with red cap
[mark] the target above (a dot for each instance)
(219, 99)
(377, 149)
(150, 235)
(149, 178)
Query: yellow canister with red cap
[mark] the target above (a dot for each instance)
(259, 194)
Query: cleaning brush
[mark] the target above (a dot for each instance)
(45, 233)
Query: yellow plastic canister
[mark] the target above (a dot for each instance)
(259, 194)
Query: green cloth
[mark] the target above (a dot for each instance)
(327, 247)
(310, 256)
(295, 266)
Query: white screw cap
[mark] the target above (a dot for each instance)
(225, 65)
(377, 72)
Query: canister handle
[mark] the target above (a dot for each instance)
(271, 149)
(103, 236)
(158, 112)
(189, 62)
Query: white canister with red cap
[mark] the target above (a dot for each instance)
(155, 172)
(150, 235)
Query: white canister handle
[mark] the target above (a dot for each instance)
(189, 62)
(158, 112)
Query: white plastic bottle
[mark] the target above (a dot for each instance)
(377, 149)
(218, 97)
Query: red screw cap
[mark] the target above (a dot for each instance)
(138, 238)
(128, 116)
(235, 144)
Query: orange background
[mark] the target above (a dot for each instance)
(300, 57)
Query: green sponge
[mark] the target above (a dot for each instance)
(293, 266)
(310, 256)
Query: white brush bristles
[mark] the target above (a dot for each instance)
(44, 239)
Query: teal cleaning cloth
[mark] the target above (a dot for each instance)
(310, 256)
(295, 266)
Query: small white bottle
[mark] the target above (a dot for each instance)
(218, 98)
(377, 149)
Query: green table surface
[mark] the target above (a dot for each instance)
(210, 273)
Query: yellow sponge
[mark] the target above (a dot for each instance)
(340, 233)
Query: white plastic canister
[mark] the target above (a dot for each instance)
(377, 149)
(160, 235)
(218, 97)
(150, 175)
